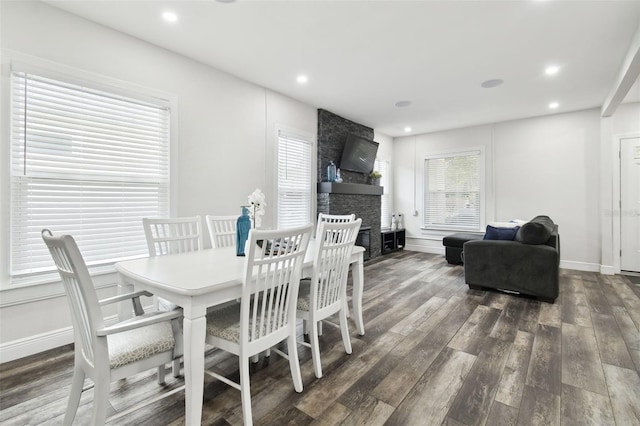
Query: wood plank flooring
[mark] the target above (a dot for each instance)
(434, 353)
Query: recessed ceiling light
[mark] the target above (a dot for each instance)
(302, 79)
(402, 104)
(170, 16)
(492, 83)
(554, 105)
(407, 129)
(551, 70)
(225, 1)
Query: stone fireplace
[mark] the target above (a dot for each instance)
(354, 195)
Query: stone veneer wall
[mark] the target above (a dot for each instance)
(332, 133)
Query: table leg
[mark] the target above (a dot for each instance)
(358, 287)
(194, 339)
(125, 310)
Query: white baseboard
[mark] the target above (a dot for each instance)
(424, 249)
(607, 270)
(31, 345)
(580, 266)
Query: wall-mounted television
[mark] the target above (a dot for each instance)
(359, 154)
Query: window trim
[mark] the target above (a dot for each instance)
(309, 137)
(13, 61)
(481, 185)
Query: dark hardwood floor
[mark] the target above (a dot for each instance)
(434, 353)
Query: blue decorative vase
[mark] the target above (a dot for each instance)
(243, 226)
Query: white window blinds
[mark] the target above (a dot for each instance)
(452, 191)
(87, 163)
(385, 204)
(294, 181)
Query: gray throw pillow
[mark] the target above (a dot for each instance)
(536, 231)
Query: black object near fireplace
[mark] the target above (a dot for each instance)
(364, 240)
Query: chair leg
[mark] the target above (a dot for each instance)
(319, 328)
(176, 367)
(161, 374)
(74, 398)
(315, 349)
(100, 399)
(245, 391)
(294, 362)
(344, 330)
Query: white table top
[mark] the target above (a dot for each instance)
(198, 272)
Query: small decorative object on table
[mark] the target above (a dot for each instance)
(251, 215)
(394, 223)
(257, 204)
(375, 177)
(243, 226)
(400, 225)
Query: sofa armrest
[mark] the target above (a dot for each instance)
(513, 266)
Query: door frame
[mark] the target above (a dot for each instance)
(616, 211)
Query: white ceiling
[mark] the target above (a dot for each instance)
(362, 57)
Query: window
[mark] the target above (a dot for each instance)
(294, 180)
(385, 203)
(87, 162)
(452, 195)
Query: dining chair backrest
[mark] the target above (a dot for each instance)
(335, 243)
(85, 310)
(222, 230)
(334, 218)
(271, 281)
(172, 235)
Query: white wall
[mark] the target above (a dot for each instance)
(624, 122)
(409, 155)
(225, 131)
(385, 153)
(549, 165)
(544, 165)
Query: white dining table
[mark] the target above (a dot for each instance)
(198, 280)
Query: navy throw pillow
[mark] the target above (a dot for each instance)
(494, 233)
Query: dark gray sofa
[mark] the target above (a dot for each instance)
(528, 265)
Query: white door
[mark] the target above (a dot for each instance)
(630, 204)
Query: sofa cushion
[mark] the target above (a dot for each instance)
(500, 233)
(536, 231)
(458, 239)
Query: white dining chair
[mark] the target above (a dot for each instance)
(105, 354)
(170, 236)
(334, 218)
(222, 230)
(325, 294)
(331, 218)
(266, 313)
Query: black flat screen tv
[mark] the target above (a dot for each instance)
(359, 154)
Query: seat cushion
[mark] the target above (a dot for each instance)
(304, 293)
(458, 239)
(135, 345)
(225, 323)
